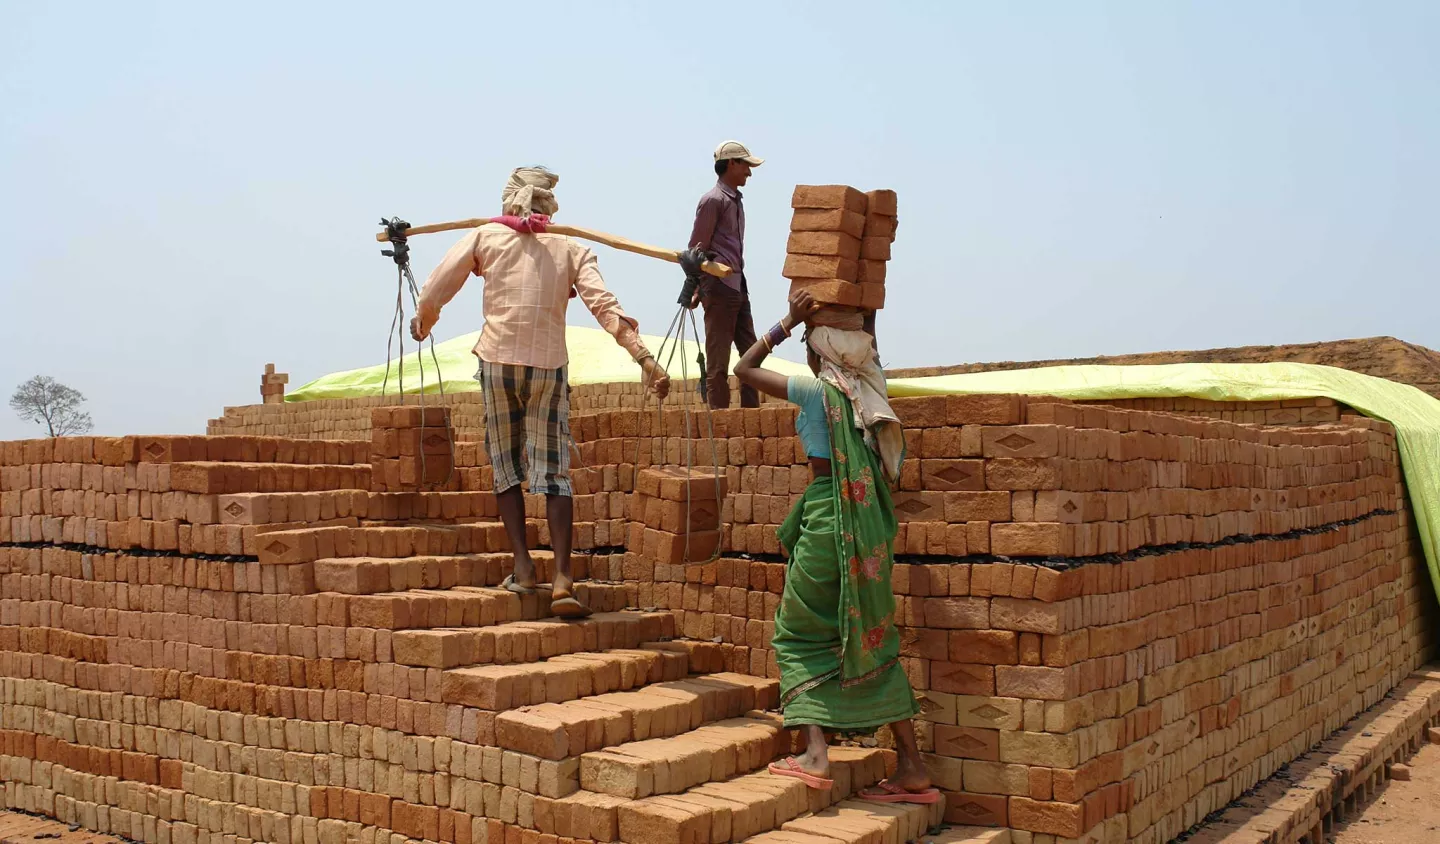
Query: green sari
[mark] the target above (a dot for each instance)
(835, 637)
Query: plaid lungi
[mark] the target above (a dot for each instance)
(527, 417)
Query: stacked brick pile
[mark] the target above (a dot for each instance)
(839, 243)
(1120, 619)
(1316, 411)
(272, 385)
(350, 678)
(351, 418)
(675, 515)
(1074, 580)
(412, 448)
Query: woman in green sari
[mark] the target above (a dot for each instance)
(835, 637)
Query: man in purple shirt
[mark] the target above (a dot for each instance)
(720, 231)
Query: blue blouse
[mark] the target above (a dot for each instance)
(811, 425)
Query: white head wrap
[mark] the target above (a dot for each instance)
(529, 192)
(849, 363)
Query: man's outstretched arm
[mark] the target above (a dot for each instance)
(444, 282)
(603, 305)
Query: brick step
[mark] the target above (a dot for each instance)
(862, 822)
(743, 807)
(568, 730)
(212, 478)
(712, 753)
(309, 545)
(527, 641)
(462, 606)
(496, 688)
(369, 575)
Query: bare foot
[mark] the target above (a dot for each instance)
(524, 571)
(910, 775)
(815, 764)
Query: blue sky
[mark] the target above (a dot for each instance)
(189, 191)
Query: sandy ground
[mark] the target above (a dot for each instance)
(1403, 812)
(16, 828)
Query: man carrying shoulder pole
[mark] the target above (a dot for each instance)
(529, 279)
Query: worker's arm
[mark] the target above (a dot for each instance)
(749, 371)
(707, 215)
(444, 282)
(590, 285)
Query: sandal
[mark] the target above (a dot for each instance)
(510, 585)
(789, 767)
(568, 608)
(890, 793)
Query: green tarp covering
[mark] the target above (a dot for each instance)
(594, 358)
(1415, 414)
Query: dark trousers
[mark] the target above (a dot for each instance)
(727, 321)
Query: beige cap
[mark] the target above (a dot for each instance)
(735, 149)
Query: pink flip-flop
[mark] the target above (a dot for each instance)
(788, 767)
(895, 794)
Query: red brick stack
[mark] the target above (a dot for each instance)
(839, 242)
(1121, 620)
(412, 448)
(675, 515)
(272, 385)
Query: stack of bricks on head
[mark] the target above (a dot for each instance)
(839, 244)
(1121, 620)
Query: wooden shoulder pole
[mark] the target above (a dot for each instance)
(613, 241)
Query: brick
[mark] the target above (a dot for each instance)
(829, 220)
(879, 225)
(954, 613)
(944, 475)
(976, 809)
(872, 296)
(995, 713)
(990, 647)
(875, 248)
(1027, 615)
(967, 742)
(1020, 441)
(823, 243)
(1066, 820)
(968, 506)
(1046, 750)
(984, 777)
(829, 291)
(1023, 473)
(882, 202)
(1028, 539)
(963, 678)
(819, 267)
(829, 197)
(871, 272)
(1036, 682)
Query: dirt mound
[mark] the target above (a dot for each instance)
(1384, 357)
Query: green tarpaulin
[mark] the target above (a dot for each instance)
(594, 359)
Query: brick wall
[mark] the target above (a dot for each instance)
(1119, 618)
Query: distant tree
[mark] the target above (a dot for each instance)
(45, 401)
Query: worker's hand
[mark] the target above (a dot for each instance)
(695, 299)
(656, 379)
(416, 331)
(802, 306)
(691, 260)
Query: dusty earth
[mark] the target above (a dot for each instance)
(1403, 812)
